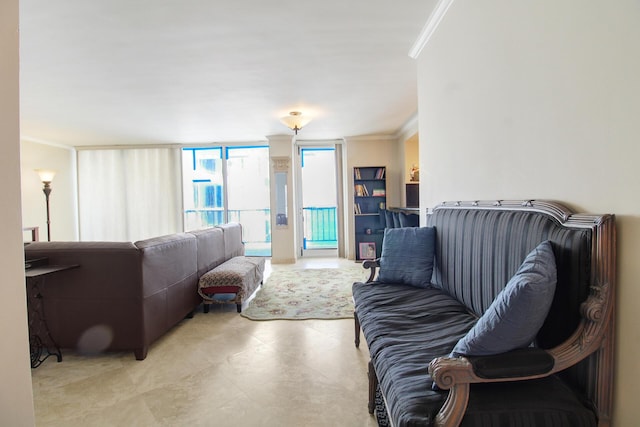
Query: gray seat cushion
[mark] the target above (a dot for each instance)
(427, 323)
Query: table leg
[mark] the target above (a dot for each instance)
(41, 344)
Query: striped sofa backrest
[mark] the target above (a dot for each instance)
(480, 246)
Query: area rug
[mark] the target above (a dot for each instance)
(306, 294)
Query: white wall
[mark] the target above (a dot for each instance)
(542, 100)
(411, 156)
(16, 398)
(283, 238)
(63, 200)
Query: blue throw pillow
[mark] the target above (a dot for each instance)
(388, 215)
(409, 220)
(407, 256)
(396, 219)
(513, 319)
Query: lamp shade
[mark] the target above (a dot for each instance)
(295, 121)
(46, 175)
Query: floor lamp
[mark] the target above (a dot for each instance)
(46, 176)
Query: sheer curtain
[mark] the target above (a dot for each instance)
(129, 194)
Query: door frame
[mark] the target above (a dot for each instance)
(339, 161)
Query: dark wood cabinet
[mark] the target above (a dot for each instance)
(413, 194)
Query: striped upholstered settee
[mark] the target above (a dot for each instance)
(424, 369)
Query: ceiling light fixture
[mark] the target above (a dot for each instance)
(295, 121)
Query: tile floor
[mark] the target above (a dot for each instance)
(217, 369)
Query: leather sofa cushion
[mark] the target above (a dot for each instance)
(233, 244)
(210, 244)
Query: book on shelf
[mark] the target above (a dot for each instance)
(379, 192)
(380, 173)
(361, 190)
(357, 208)
(357, 174)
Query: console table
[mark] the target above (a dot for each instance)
(40, 341)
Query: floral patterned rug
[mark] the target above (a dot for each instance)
(306, 294)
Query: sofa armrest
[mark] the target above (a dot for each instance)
(373, 265)
(514, 365)
(518, 364)
(457, 373)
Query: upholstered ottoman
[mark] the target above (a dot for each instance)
(231, 282)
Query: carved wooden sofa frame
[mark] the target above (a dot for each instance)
(591, 345)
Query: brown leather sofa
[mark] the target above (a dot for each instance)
(123, 295)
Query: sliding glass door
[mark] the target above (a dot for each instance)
(229, 184)
(203, 187)
(318, 196)
(249, 197)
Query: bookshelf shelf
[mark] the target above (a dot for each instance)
(369, 200)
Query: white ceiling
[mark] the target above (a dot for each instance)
(103, 72)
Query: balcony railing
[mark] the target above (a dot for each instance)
(256, 226)
(319, 226)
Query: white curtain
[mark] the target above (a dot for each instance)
(129, 194)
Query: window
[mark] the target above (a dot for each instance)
(203, 187)
(129, 194)
(233, 187)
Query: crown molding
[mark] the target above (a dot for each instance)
(372, 137)
(409, 128)
(135, 146)
(319, 142)
(46, 142)
(430, 27)
(280, 138)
